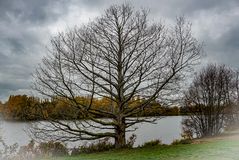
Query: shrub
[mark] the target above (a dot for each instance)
(152, 143)
(7, 152)
(75, 151)
(130, 142)
(31, 150)
(99, 146)
(182, 141)
(187, 131)
(52, 148)
(28, 151)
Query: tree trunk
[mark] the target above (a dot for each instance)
(120, 139)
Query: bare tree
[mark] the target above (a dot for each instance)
(235, 109)
(208, 99)
(232, 111)
(7, 152)
(119, 56)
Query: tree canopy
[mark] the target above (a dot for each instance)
(119, 56)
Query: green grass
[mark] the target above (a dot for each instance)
(217, 150)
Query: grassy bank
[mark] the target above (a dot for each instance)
(212, 150)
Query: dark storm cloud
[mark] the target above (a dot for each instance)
(35, 11)
(225, 48)
(27, 25)
(188, 7)
(229, 41)
(22, 30)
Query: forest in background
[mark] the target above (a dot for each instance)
(28, 108)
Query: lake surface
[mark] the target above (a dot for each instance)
(166, 129)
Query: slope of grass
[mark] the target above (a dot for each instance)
(216, 150)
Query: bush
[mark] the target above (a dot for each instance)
(52, 148)
(182, 141)
(152, 143)
(131, 141)
(43, 149)
(75, 151)
(99, 146)
(7, 152)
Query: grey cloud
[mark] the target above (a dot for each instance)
(190, 6)
(9, 86)
(15, 44)
(230, 40)
(34, 11)
(225, 49)
(26, 26)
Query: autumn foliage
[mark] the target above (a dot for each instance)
(23, 107)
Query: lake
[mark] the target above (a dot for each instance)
(166, 129)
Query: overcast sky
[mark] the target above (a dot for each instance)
(27, 25)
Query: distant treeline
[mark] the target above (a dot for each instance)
(26, 108)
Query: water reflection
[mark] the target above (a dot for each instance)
(166, 129)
